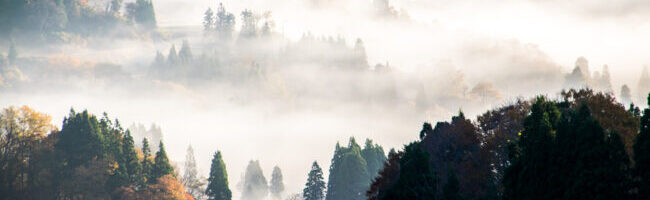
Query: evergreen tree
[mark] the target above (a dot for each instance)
(208, 21)
(80, 140)
(172, 57)
(185, 54)
(348, 173)
(147, 164)
(249, 24)
(277, 186)
(161, 166)
(255, 186)
(190, 178)
(407, 175)
(315, 186)
(218, 181)
(145, 14)
(531, 164)
(642, 154)
(130, 161)
(374, 156)
(224, 23)
(451, 189)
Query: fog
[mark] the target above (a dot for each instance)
(286, 99)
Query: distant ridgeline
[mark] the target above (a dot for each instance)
(61, 20)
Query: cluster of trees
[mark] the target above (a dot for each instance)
(583, 146)
(221, 24)
(54, 18)
(89, 158)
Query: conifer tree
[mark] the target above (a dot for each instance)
(185, 54)
(277, 186)
(161, 165)
(255, 185)
(147, 164)
(208, 21)
(315, 186)
(642, 154)
(172, 57)
(374, 156)
(348, 177)
(218, 181)
(130, 157)
(451, 188)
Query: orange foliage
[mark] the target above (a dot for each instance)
(166, 188)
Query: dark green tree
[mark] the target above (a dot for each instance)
(218, 181)
(161, 164)
(315, 186)
(147, 164)
(375, 157)
(172, 57)
(277, 186)
(406, 175)
(642, 154)
(348, 177)
(451, 189)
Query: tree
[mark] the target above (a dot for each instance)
(147, 164)
(451, 190)
(315, 186)
(172, 57)
(161, 165)
(374, 156)
(185, 54)
(277, 187)
(348, 177)
(249, 24)
(116, 5)
(626, 95)
(22, 132)
(218, 181)
(145, 14)
(642, 154)
(407, 175)
(190, 179)
(528, 175)
(130, 161)
(255, 186)
(224, 23)
(208, 21)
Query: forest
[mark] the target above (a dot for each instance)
(324, 100)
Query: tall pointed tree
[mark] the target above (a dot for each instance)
(190, 178)
(147, 164)
(348, 177)
(161, 165)
(277, 186)
(218, 181)
(315, 186)
(642, 154)
(255, 186)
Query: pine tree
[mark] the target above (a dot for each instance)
(147, 164)
(255, 186)
(224, 23)
(172, 57)
(130, 157)
(277, 186)
(185, 54)
(642, 154)
(218, 181)
(374, 156)
(161, 165)
(190, 178)
(348, 173)
(208, 21)
(315, 186)
(451, 189)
